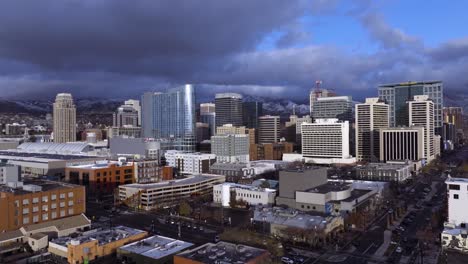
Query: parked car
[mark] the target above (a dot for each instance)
(287, 260)
(399, 250)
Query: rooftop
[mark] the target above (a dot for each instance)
(223, 252)
(408, 84)
(39, 157)
(383, 166)
(247, 187)
(102, 236)
(44, 185)
(330, 187)
(456, 180)
(156, 247)
(54, 148)
(290, 217)
(101, 165)
(181, 182)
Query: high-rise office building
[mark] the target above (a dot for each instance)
(370, 117)
(402, 143)
(326, 139)
(396, 96)
(136, 105)
(171, 115)
(318, 93)
(251, 111)
(340, 107)
(228, 109)
(126, 115)
(64, 118)
(454, 115)
(421, 113)
(230, 147)
(208, 116)
(268, 129)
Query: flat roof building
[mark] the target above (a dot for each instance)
(190, 163)
(226, 192)
(388, 172)
(155, 249)
(223, 252)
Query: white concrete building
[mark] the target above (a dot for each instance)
(252, 195)
(455, 234)
(326, 141)
(231, 147)
(421, 113)
(191, 163)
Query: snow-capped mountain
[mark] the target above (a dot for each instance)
(84, 105)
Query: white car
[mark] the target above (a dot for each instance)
(287, 260)
(399, 250)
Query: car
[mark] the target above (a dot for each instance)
(287, 260)
(299, 259)
(399, 250)
(427, 190)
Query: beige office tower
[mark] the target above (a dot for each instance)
(268, 129)
(64, 118)
(421, 113)
(371, 116)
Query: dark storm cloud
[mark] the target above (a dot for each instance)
(118, 48)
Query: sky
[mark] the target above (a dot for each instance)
(271, 48)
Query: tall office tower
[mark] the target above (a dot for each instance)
(171, 115)
(454, 115)
(370, 117)
(136, 105)
(402, 143)
(228, 109)
(326, 140)
(340, 107)
(396, 95)
(318, 93)
(231, 147)
(208, 116)
(421, 113)
(251, 111)
(126, 115)
(295, 123)
(64, 118)
(268, 129)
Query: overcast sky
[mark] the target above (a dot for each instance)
(121, 48)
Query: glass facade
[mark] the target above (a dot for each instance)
(397, 96)
(171, 115)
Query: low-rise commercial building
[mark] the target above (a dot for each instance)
(38, 201)
(168, 193)
(270, 151)
(455, 234)
(94, 244)
(104, 176)
(388, 172)
(223, 252)
(152, 250)
(293, 225)
(233, 171)
(38, 235)
(190, 163)
(227, 193)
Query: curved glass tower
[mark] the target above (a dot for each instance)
(171, 116)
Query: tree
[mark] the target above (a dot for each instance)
(185, 209)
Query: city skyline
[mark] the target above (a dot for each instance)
(351, 46)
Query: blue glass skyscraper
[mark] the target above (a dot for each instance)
(171, 115)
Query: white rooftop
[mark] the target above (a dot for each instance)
(247, 187)
(157, 247)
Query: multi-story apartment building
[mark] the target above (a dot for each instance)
(397, 96)
(371, 116)
(270, 151)
(102, 176)
(268, 129)
(38, 201)
(168, 193)
(421, 113)
(190, 163)
(179, 105)
(64, 118)
(240, 130)
(228, 109)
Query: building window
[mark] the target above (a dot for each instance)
(35, 209)
(62, 213)
(45, 207)
(62, 196)
(35, 219)
(53, 206)
(25, 220)
(25, 211)
(454, 187)
(45, 199)
(62, 204)
(53, 197)
(70, 211)
(35, 200)
(70, 194)
(54, 215)
(455, 196)
(70, 203)
(25, 201)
